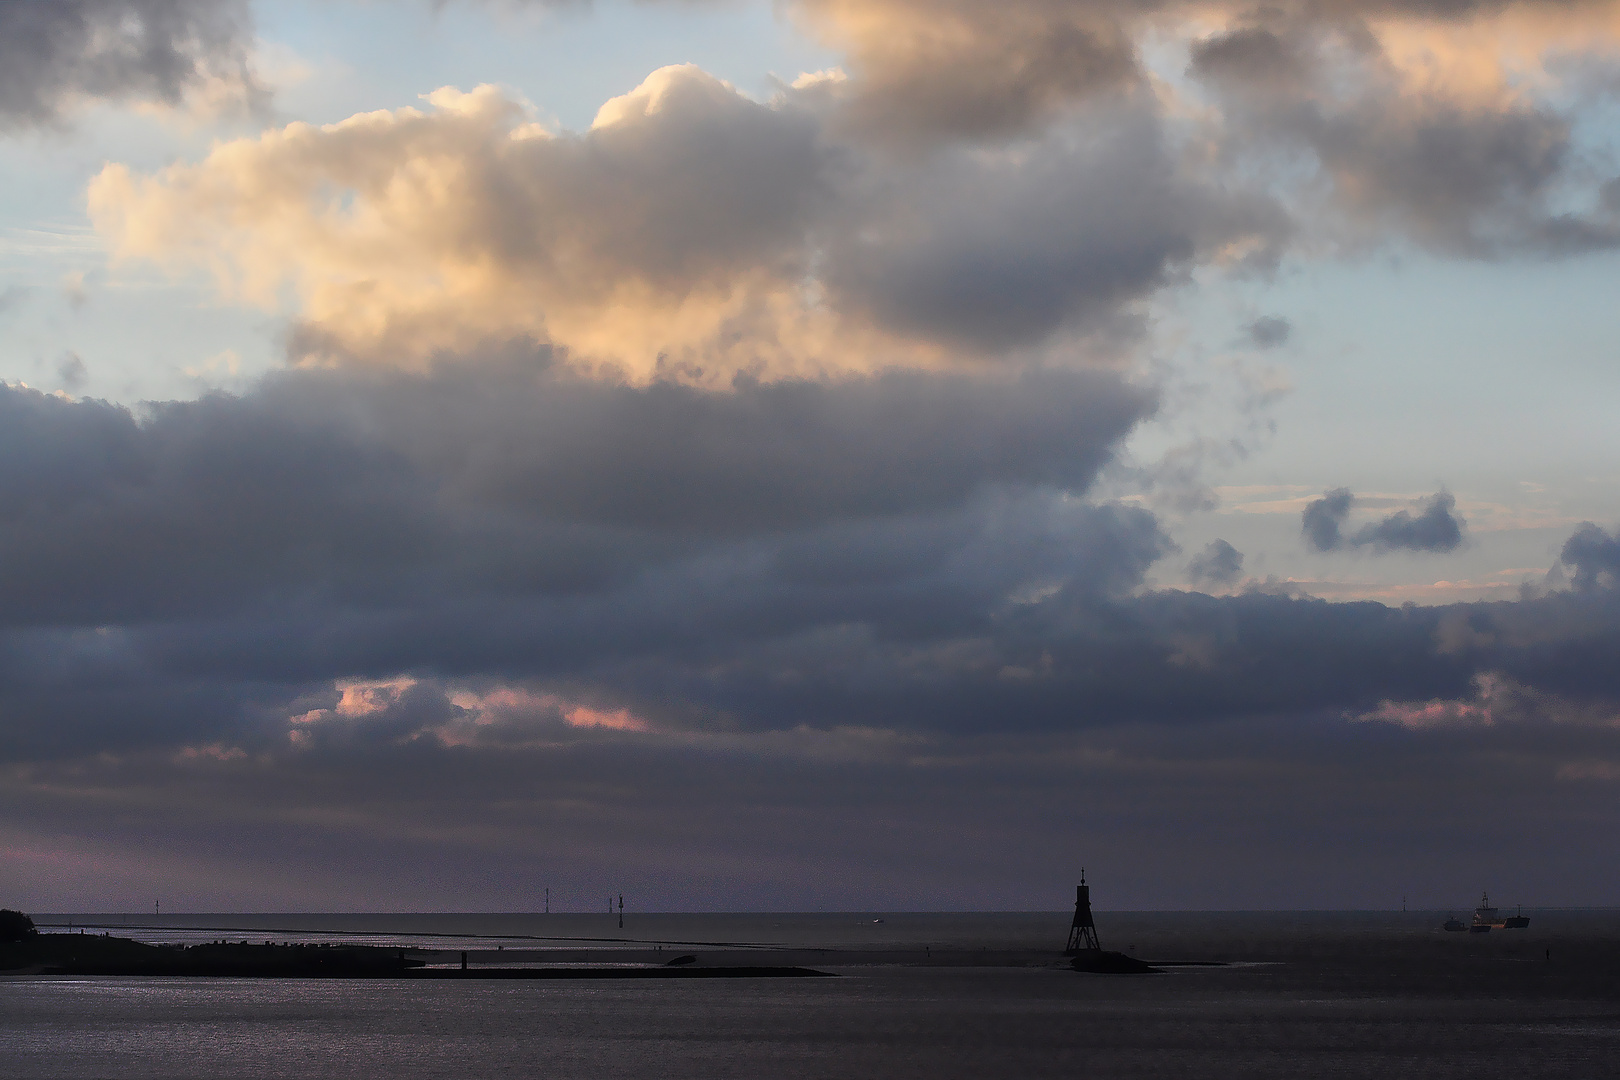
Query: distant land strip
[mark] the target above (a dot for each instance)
(260, 930)
(688, 972)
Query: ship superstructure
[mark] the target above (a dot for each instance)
(1487, 919)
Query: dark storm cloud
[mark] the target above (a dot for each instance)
(685, 638)
(1594, 555)
(153, 50)
(1076, 660)
(1008, 615)
(870, 552)
(434, 501)
(806, 628)
(760, 456)
(1218, 564)
(834, 820)
(107, 519)
(1088, 721)
(1436, 526)
(354, 489)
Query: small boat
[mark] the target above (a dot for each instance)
(1454, 924)
(1516, 922)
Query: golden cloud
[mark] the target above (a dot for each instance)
(695, 233)
(670, 234)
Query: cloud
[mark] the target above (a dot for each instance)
(990, 253)
(1450, 125)
(53, 55)
(70, 371)
(643, 501)
(1436, 527)
(320, 485)
(1218, 564)
(1415, 125)
(1453, 126)
(1322, 520)
(578, 763)
(675, 222)
(378, 558)
(731, 822)
(410, 619)
(694, 233)
(1497, 701)
(927, 68)
(1594, 555)
(73, 290)
(690, 233)
(888, 551)
(1269, 331)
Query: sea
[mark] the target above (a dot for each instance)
(983, 995)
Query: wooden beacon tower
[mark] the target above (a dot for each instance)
(1083, 931)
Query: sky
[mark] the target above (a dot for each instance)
(810, 455)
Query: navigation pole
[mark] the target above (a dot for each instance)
(1083, 931)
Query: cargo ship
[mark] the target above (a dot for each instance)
(1486, 918)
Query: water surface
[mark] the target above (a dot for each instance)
(1318, 994)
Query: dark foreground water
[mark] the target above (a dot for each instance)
(1352, 995)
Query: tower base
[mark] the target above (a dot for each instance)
(1101, 962)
